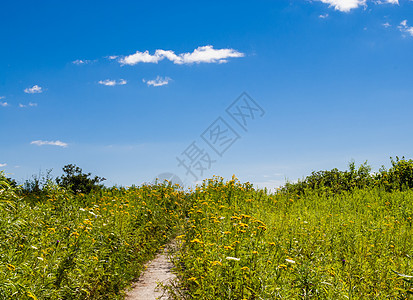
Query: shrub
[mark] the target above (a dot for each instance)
(77, 181)
(334, 180)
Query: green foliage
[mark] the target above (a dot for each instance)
(92, 246)
(334, 180)
(38, 184)
(78, 182)
(335, 235)
(241, 243)
(399, 176)
(8, 188)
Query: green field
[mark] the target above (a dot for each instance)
(347, 237)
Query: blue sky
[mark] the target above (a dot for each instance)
(126, 89)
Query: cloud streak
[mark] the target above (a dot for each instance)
(49, 143)
(31, 104)
(109, 82)
(159, 81)
(4, 104)
(81, 62)
(3, 165)
(204, 54)
(404, 28)
(34, 90)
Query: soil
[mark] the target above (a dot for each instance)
(158, 271)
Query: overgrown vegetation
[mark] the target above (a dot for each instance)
(334, 235)
(81, 246)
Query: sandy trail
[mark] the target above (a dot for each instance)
(158, 270)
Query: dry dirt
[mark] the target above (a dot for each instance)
(158, 271)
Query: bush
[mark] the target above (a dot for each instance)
(399, 176)
(77, 181)
(36, 185)
(334, 180)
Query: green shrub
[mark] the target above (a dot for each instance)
(78, 182)
(335, 181)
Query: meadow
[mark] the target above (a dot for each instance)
(239, 243)
(334, 235)
(66, 246)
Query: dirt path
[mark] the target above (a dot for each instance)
(158, 270)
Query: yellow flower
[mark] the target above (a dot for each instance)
(11, 267)
(245, 268)
(197, 241)
(75, 234)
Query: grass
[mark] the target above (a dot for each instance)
(85, 246)
(238, 243)
(233, 242)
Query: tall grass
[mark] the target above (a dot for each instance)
(335, 235)
(239, 243)
(82, 247)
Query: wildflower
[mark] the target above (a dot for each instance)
(197, 241)
(192, 279)
(254, 252)
(11, 267)
(245, 269)
(232, 258)
(216, 262)
(228, 248)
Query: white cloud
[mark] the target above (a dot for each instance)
(387, 2)
(386, 25)
(81, 61)
(3, 165)
(51, 143)
(4, 104)
(323, 16)
(344, 5)
(112, 57)
(159, 81)
(138, 57)
(109, 82)
(205, 54)
(31, 104)
(34, 90)
(405, 28)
